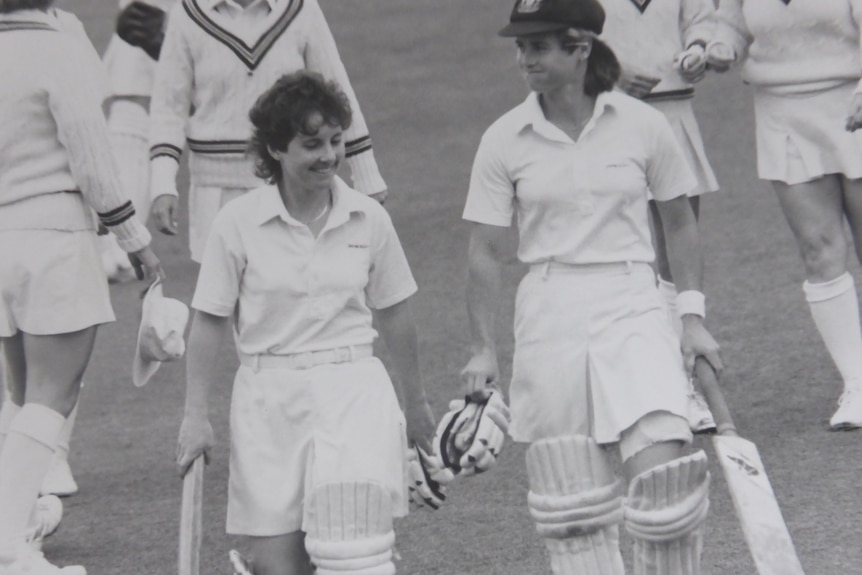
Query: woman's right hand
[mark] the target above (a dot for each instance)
(719, 56)
(146, 264)
(164, 211)
(196, 440)
(481, 375)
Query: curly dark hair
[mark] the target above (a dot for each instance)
(7, 6)
(287, 109)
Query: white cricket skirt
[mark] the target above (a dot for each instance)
(801, 137)
(292, 430)
(51, 282)
(204, 204)
(594, 352)
(680, 114)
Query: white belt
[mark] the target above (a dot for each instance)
(308, 359)
(548, 267)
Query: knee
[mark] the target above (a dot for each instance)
(824, 255)
(60, 397)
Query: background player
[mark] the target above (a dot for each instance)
(596, 360)
(804, 60)
(318, 444)
(218, 57)
(661, 50)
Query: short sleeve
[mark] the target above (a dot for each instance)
(222, 268)
(668, 173)
(491, 196)
(390, 280)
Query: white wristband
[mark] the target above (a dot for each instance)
(691, 302)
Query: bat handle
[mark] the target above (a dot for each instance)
(714, 397)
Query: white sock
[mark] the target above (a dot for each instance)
(65, 435)
(7, 413)
(24, 462)
(835, 309)
(667, 291)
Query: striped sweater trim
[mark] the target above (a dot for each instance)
(681, 94)
(17, 25)
(217, 146)
(251, 56)
(357, 146)
(117, 216)
(166, 150)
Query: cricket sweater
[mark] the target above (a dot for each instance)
(210, 63)
(794, 45)
(647, 36)
(55, 160)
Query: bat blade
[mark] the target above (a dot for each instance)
(753, 498)
(756, 507)
(190, 520)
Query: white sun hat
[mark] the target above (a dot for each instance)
(160, 336)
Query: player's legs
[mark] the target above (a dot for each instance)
(576, 502)
(52, 366)
(59, 479)
(279, 555)
(815, 211)
(667, 498)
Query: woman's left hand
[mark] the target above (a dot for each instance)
(691, 64)
(854, 118)
(698, 342)
(420, 425)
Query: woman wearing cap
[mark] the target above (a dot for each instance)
(661, 50)
(55, 168)
(299, 265)
(217, 58)
(596, 360)
(804, 60)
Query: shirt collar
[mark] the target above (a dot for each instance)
(344, 203)
(530, 115)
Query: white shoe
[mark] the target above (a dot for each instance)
(30, 562)
(241, 566)
(700, 418)
(849, 413)
(47, 517)
(59, 480)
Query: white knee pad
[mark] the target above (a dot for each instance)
(665, 512)
(349, 529)
(576, 501)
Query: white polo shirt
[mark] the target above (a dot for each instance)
(578, 202)
(290, 292)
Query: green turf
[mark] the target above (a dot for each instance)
(431, 75)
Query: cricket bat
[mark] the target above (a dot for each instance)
(190, 519)
(755, 503)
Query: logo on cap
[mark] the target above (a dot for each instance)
(528, 6)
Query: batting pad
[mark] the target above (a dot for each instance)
(349, 529)
(576, 501)
(665, 512)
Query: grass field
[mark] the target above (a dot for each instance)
(431, 75)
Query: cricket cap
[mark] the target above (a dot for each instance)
(160, 335)
(537, 16)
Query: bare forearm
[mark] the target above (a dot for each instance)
(399, 333)
(205, 343)
(483, 292)
(683, 244)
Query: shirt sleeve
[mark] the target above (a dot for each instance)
(75, 101)
(390, 280)
(667, 170)
(697, 21)
(222, 268)
(172, 89)
(731, 27)
(321, 56)
(491, 196)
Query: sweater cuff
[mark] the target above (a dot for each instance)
(131, 234)
(365, 174)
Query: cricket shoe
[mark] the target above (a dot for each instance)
(31, 562)
(45, 520)
(241, 565)
(700, 418)
(849, 413)
(59, 480)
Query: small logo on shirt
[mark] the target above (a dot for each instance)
(358, 246)
(528, 6)
(616, 165)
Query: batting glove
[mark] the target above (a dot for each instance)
(470, 436)
(427, 478)
(143, 26)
